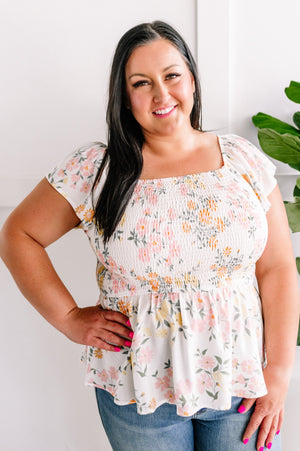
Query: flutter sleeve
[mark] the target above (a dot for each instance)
(254, 166)
(74, 176)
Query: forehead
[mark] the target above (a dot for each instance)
(158, 54)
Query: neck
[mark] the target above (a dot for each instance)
(163, 146)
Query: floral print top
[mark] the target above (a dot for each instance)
(181, 265)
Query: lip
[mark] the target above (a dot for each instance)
(168, 113)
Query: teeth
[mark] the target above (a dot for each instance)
(164, 111)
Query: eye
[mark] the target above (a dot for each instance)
(140, 83)
(173, 75)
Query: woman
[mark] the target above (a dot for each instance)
(181, 221)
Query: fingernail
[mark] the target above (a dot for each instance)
(246, 441)
(241, 409)
(127, 343)
(269, 445)
(278, 432)
(128, 323)
(261, 448)
(117, 349)
(131, 334)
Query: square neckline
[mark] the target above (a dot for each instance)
(193, 174)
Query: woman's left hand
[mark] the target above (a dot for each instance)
(269, 409)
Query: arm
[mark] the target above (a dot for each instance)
(42, 218)
(278, 286)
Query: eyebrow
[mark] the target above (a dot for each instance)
(144, 75)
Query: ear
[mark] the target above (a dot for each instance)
(193, 83)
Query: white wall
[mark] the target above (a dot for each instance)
(55, 59)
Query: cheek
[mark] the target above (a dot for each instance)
(137, 102)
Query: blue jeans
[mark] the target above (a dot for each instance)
(164, 430)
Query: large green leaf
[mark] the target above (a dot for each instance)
(293, 214)
(284, 147)
(262, 120)
(296, 192)
(293, 91)
(298, 265)
(296, 119)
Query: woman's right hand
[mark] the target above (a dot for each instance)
(94, 326)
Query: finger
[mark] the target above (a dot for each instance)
(97, 342)
(246, 405)
(115, 339)
(264, 430)
(280, 421)
(254, 423)
(118, 328)
(272, 432)
(117, 317)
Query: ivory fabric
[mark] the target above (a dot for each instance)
(181, 265)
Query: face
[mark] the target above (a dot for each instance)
(159, 88)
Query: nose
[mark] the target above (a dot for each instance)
(160, 92)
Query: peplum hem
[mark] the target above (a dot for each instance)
(194, 350)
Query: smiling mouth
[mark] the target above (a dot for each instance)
(164, 111)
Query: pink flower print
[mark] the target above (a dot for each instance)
(144, 254)
(159, 184)
(101, 257)
(235, 363)
(155, 225)
(155, 244)
(149, 189)
(61, 173)
(145, 355)
(171, 213)
(92, 153)
(103, 375)
(147, 212)
(168, 233)
(153, 198)
(137, 339)
(113, 372)
(170, 371)
(204, 382)
(112, 263)
(183, 189)
(198, 325)
(73, 164)
(75, 178)
(115, 285)
(87, 168)
(163, 383)
(247, 366)
(184, 386)
(206, 362)
(253, 384)
(240, 379)
(85, 187)
(142, 226)
(174, 250)
(170, 396)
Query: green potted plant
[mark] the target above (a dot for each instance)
(281, 141)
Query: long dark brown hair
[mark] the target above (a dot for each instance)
(125, 137)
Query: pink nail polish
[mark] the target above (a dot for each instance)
(241, 409)
(128, 323)
(269, 445)
(261, 448)
(127, 343)
(117, 349)
(131, 334)
(246, 441)
(278, 432)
